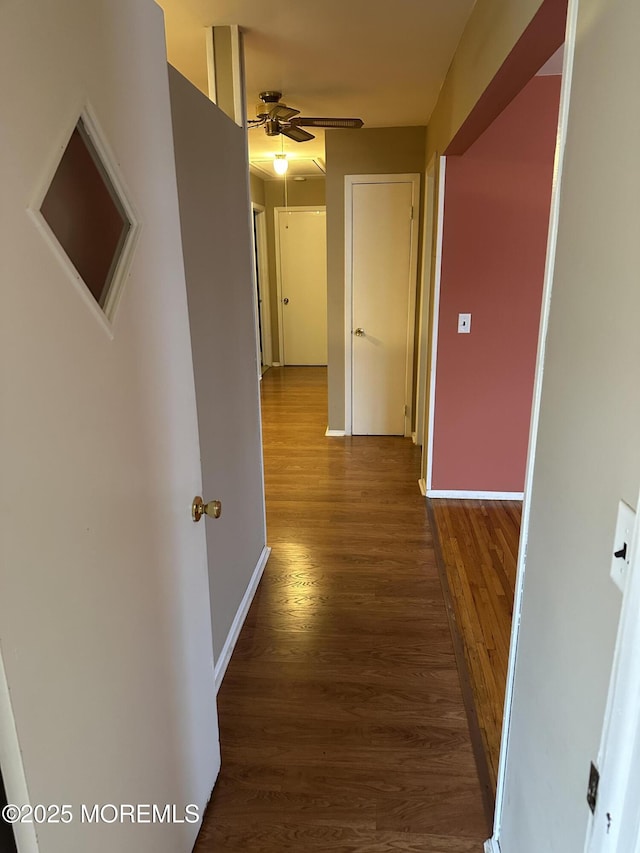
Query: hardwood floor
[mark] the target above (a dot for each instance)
(479, 545)
(342, 723)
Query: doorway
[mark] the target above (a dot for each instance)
(424, 301)
(429, 308)
(496, 202)
(263, 307)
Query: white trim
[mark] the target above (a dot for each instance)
(254, 296)
(491, 845)
(563, 118)
(239, 111)
(307, 208)
(334, 433)
(211, 66)
(263, 277)
(349, 182)
(422, 383)
(276, 364)
(348, 306)
(618, 751)
(276, 226)
(461, 494)
(237, 69)
(238, 621)
(106, 315)
(436, 320)
(15, 781)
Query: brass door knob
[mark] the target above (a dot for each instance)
(200, 508)
(359, 333)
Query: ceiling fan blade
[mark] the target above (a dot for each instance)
(282, 112)
(306, 121)
(296, 133)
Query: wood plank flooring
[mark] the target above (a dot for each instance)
(342, 723)
(479, 545)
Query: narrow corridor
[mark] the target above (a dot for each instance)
(341, 715)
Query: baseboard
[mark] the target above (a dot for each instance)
(275, 364)
(414, 437)
(423, 487)
(335, 433)
(458, 494)
(491, 846)
(236, 626)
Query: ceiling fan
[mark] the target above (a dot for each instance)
(277, 118)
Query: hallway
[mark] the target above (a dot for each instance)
(341, 715)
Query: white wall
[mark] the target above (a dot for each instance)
(588, 453)
(213, 190)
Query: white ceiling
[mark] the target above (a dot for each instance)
(383, 62)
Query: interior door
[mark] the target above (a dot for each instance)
(211, 166)
(382, 270)
(302, 238)
(105, 627)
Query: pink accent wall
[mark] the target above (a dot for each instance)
(496, 216)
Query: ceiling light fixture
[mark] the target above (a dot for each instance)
(280, 164)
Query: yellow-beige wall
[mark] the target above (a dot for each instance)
(370, 151)
(491, 32)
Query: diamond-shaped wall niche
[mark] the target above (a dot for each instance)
(86, 215)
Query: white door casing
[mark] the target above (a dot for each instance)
(105, 629)
(380, 284)
(262, 274)
(426, 462)
(615, 825)
(552, 242)
(429, 205)
(301, 265)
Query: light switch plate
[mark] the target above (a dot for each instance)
(622, 543)
(464, 324)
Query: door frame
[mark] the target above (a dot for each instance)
(13, 774)
(424, 300)
(307, 208)
(620, 740)
(259, 213)
(349, 182)
(493, 844)
(433, 277)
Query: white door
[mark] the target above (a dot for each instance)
(302, 269)
(382, 268)
(105, 628)
(615, 825)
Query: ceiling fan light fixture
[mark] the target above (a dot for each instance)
(280, 164)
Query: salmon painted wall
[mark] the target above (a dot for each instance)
(496, 215)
